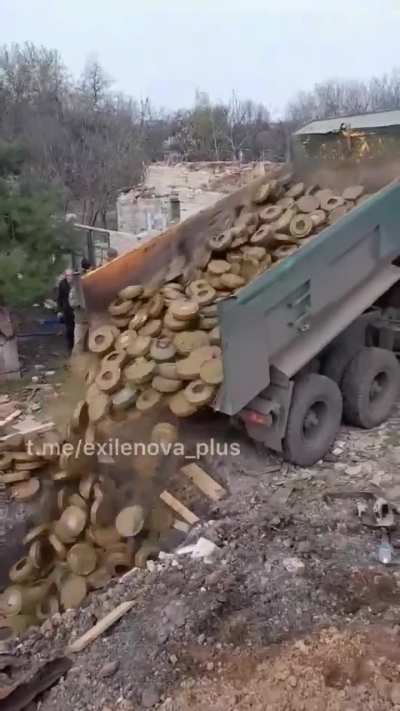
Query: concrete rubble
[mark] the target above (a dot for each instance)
(147, 210)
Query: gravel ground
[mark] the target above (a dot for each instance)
(295, 581)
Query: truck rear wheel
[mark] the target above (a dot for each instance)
(314, 419)
(336, 361)
(370, 387)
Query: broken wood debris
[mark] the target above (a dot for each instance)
(21, 695)
(100, 627)
(204, 482)
(10, 418)
(32, 429)
(181, 526)
(178, 507)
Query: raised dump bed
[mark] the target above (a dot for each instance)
(285, 374)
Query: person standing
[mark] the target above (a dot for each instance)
(77, 303)
(65, 311)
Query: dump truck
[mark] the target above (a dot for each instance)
(308, 343)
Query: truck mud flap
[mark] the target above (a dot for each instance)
(266, 416)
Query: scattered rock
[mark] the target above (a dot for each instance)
(125, 705)
(109, 669)
(354, 470)
(204, 549)
(173, 659)
(150, 697)
(394, 453)
(392, 493)
(380, 478)
(304, 547)
(275, 522)
(294, 565)
(168, 705)
(163, 635)
(213, 578)
(210, 666)
(176, 613)
(47, 627)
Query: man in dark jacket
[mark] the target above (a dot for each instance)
(65, 311)
(77, 303)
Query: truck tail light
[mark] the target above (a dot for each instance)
(256, 418)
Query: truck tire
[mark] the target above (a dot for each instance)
(314, 419)
(341, 352)
(336, 361)
(370, 387)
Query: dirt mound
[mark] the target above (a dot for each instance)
(334, 671)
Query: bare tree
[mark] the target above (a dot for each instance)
(340, 98)
(94, 82)
(245, 119)
(103, 154)
(32, 80)
(82, 138)
(220, 131)
(302, 109)
(385, 91)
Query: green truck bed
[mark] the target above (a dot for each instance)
(278, 323)
(287, 315)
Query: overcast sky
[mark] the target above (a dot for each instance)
(266, 50)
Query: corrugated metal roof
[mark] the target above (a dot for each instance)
(372, 120)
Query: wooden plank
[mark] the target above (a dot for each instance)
(179, 508)
(181, 526)
(45, 427)
(10, 418)
(204, 482)
(100, 627)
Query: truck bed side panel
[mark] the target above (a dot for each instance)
(303, 303)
